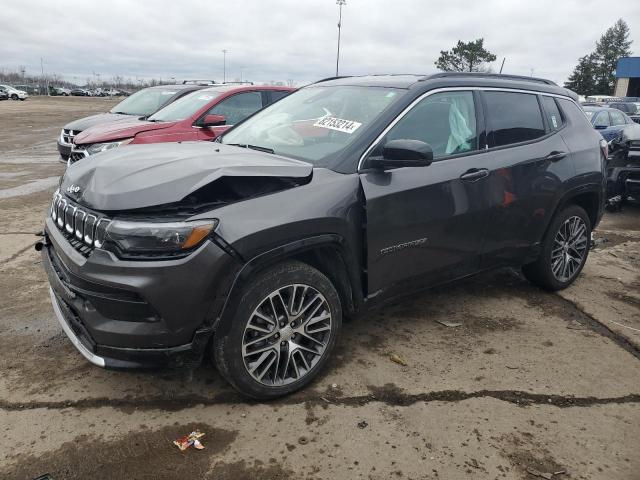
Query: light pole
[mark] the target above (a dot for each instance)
(340, 3)
(224, 65)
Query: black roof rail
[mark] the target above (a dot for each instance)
(199, 82)
(331, 78)
(488, 75)
(236, 83)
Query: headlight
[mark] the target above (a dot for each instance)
(156, 239)
(103, 147)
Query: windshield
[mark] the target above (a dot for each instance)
(313, 123)
(144, 102)
(183, 107)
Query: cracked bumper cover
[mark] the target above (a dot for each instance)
(132, 314)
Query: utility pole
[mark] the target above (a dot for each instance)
(46, 83)
(340, 3)
(224, 65)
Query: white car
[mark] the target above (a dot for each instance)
(14, 94)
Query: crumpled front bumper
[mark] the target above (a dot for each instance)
(132, 314)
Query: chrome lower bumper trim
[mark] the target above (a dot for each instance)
(99, 361)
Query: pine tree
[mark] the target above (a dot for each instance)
(612, 46)
(583, 80)
(465, 57)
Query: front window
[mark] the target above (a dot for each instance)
(144, 102)
(238, 107)
(184, 107)
(446, 121)
(617, 117)
(314, 123)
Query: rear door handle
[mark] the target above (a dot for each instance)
(474, 174)
(555, 156)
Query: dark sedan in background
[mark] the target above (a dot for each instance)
(140, 104)
(608, 121)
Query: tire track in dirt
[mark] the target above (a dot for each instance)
(388, 394)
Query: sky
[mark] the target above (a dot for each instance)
(278, 40)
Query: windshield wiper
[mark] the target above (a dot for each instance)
(123, 113)
(253, 147)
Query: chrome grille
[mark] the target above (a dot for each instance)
(67, 135)
(77, 154)
(83, 228)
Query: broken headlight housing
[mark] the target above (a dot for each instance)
(150, 239)
(103, 147)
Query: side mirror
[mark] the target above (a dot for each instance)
(403, 153)
(212, 121)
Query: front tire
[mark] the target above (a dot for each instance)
(14, 97)
(565, 248)
(282, 334)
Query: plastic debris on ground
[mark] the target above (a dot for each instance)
(191, 440)
(448, 323)
(397, 359)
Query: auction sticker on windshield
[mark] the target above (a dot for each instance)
(338, 124)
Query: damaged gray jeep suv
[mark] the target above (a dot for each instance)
(251, 249)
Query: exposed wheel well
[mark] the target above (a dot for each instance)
(589, 201)
(329, 261)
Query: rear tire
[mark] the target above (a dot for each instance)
(565, 249)
(282, 334)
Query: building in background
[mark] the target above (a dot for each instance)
(628, 77)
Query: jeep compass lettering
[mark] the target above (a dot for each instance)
(253, 248)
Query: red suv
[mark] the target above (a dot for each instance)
(201, 115)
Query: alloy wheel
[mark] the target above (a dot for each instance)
(569, 248)
(286, 335)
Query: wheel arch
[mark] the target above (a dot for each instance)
(327, 253)
(589, 198)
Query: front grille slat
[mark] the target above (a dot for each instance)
(83, 229)
(89, 225)
(69, 214)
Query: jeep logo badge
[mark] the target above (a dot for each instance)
(73, 189)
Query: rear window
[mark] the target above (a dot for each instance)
(552, 112)
(513, 117)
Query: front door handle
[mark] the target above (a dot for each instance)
(555, 156)
(474, 174)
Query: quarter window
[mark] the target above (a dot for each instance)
(238, 107)
(446, 121)
(552, 112)
(278, 94)
(513, 117)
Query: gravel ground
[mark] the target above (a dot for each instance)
(531, 383)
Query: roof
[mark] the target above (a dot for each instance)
(628, 67)
(178, 87)
(221, 88)
(392, 81)
(588, 108)
(449, 79)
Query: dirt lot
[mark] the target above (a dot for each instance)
(531, 381)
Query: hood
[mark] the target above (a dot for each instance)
(87, 122)
(112, 131)
(139, 176)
